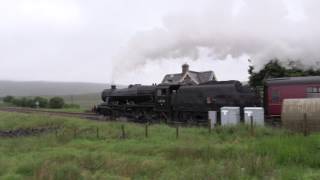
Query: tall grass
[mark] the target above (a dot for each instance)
(226, 153)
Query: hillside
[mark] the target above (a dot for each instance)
(42, 88)
(86, 101)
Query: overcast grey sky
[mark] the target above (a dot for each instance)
(139, 41)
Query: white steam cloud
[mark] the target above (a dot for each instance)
(262, 30)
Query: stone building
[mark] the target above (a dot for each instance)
(187, 77)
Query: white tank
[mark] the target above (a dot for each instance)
(257, 114)
(213, 118)
(230, 116)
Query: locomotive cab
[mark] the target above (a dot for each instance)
(163, 99)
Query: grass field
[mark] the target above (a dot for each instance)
(76, 152)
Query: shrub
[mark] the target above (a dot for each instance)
(56, 103)
(8, 99)
(23, 102)
(43, 102)
(30, 103)
(17, 102)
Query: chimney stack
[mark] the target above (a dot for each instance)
(113, 87)
(185, 68)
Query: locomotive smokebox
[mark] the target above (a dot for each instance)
(113, 87)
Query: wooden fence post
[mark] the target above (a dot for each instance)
(251, 126)
(306, 127)
(97, 132)
(123, 131)
(177, 131)
(146, 130)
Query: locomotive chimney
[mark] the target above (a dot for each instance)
(185, 68)
(113, 87)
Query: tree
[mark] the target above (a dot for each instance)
(273, 69)
(56, 103)
(30, 103)
(8, 99)
(23, 102)
(43, 102)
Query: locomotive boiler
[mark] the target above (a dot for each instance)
(175, 102)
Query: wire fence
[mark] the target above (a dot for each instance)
(124, 131)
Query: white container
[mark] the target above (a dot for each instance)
(230, 116)
(213, 118)
(257, 114)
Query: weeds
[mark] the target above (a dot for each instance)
(225, 153)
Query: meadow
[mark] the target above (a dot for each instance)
(83, 149)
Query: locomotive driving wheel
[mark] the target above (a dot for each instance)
(185, 117)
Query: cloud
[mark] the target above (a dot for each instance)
(80, 40)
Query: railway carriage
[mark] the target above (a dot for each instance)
(278, 89)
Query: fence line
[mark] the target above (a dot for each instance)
(305, 127)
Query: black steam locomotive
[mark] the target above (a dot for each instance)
(174, 102)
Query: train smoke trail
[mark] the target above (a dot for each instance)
(262, 30)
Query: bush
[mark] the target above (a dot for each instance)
(30, 103)
(17, 102)
(8, 99)
(23, 102)
(56, 103)
(43, 102)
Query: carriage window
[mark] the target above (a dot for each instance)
(313, 92)
(275, 96)
(309, 90)
(161, 92)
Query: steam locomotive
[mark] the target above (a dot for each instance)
(175, 102)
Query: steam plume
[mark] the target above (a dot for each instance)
(262, 30)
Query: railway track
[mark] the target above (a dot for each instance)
(91, 116)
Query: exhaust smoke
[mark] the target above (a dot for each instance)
(261, 30)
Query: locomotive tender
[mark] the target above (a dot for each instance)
(175, 102)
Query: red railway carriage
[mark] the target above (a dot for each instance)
(278, 89)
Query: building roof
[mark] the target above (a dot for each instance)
(190, 77)
(293, 80)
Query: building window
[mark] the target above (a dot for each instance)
(275, 96)
(162, 92)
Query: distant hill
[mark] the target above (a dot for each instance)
(42, 88)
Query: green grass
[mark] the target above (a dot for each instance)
(226, 153)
